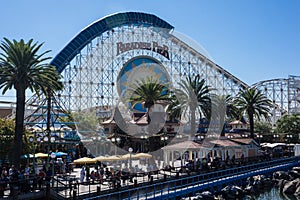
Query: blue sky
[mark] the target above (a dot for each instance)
(252, 39)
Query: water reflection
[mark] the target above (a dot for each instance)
(271, 194)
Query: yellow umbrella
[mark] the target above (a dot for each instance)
(100, 158)
(114, 158)
(142, 155)
(41, 155)
(126, 156)
(85, 160)
(108, 158)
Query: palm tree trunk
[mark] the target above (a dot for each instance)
(223, 130)
(193, 123)
(251, 121)
(19, 129)
(48, 124)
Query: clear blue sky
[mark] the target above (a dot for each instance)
(254, 40)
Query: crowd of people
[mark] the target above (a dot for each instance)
(18, 180)
(105, 175)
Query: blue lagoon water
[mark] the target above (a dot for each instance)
(273, 194)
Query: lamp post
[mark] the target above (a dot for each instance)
(230, 136)
(52, 139)
(46, 139)
(164, 139)
(130, 151)
(259, 138)
(33, 140)
(143, 138)
(275, 136)
(97, 140)
(116, 141)
(179, 136)
(200, 137)
(289, 138)
(53, 156)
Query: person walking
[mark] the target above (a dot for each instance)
(82, 174)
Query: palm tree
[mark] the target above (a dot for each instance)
(253, 103)
(148, 91)
(223, 106)
(174, 108)
(194, 95)
(21, 67)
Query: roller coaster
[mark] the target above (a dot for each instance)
(97, 62)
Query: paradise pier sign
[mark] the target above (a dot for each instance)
(162, 50)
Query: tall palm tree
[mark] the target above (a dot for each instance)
(194, 95)
(148, 91)
(252, 103)
(174, 108)
(224, 107)
(21, 67)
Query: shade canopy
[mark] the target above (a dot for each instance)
(108, 158)
(84, 160)
(41, 155)
(100, 158)
(135, 156)
(142, 155)
(126, 156)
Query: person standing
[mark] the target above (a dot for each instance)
(82, 174)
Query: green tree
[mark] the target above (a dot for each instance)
(262, 128)
(194, 96)
(6, 137)
(289, 124)
(7, 129)
(21, 67)
(86, 122)
(252, 103)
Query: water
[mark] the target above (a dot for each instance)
(273, 194)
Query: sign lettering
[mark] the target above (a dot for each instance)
(162, 50)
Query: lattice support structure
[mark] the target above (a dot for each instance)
(284, 93)
(90, 76)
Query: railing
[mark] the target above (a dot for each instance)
(173, 182)
(178, 186)
(18, 187)
(67, 187)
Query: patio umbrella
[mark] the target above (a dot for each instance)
(84, 160)
(127, 156)
(58, 154)
(142, 155)
(113, 158)
(100, 158)
(107, 158)
(41, 155)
